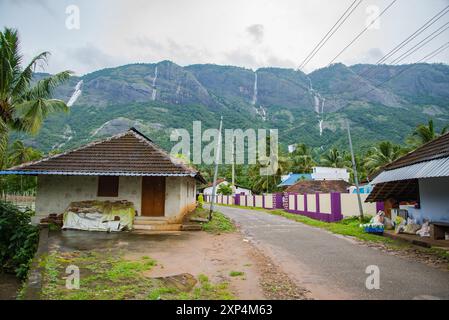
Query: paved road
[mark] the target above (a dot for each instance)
(331, 266)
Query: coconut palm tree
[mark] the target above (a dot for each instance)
(301, 159)
(20, 153)
(333, 159)
(425, 133)
(24, 104)
(381, 155)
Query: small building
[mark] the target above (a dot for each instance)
(207, 191)
(318, 174)
(421, 178)
(128, 166)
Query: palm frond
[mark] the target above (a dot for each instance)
(31, 114)
(44, 88)
(23, 80)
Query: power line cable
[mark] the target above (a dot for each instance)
(423, 28)
(330, 33)
(422, 42)
(420, 30)
(362, 32)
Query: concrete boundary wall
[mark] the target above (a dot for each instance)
(267, 201)
(329, 207)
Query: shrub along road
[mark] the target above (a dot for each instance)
(333, 266)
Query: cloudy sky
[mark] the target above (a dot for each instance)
(248, 33)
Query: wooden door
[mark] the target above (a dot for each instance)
(153, 196)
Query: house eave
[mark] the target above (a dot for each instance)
(428, 169)
(104, 173)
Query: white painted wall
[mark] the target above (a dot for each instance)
(258, 201)
(291, 202)
(325, 203)
(324, 173)
(434, 197)
(311, 202)
(268, 201)
(55, 193)
(350, 205)
(300, 199)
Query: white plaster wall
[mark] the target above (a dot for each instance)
(291, 202)
(180, 193)
(250, 202)
(350, 205)
(434, 197)
(311, 203)
(55, 193)
(325, 203)
(258, 203)
(269, 201)
(300, 199)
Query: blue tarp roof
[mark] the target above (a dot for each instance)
(295, 177)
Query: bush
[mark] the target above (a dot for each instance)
(18, 239)
(200, 201)
(225, 189)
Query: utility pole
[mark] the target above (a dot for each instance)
(354, 168)
(232, 166)
(217, 159)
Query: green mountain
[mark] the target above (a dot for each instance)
(156, 98)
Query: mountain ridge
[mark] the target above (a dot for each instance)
(304, 107)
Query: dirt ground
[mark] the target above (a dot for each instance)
(9, 285)
(215, 256)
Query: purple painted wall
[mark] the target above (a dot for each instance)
(335, 214)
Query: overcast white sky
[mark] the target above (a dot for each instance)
(248, 33)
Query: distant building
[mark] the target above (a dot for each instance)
(292, 178)
(238, 189)
(325, 173)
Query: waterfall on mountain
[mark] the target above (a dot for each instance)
(153, 95)
(254, 101)
(75, 94)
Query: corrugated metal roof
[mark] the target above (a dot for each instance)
(429, 169)
(295, 177)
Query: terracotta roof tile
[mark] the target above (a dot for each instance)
(314, 186)
(126, 153)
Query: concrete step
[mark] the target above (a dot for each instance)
(150, 222)
(158, 227)
(191, 227)
(143, 218)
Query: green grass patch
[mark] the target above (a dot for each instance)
(106, 275)
(347, 227)
(236, 273)
(219, 224)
